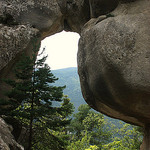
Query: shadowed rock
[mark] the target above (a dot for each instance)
(7, 141)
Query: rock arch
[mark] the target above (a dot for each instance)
(114, 49)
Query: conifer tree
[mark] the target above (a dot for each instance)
(32, 95)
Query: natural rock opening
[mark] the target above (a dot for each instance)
(113, 57)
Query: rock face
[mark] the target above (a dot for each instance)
(114, 63)
(114, 49)
(7, 141)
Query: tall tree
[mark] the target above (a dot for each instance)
(91, 123)
(32, 95)
(127, 137)
(52, 133)
(98, 129)
(77, 126)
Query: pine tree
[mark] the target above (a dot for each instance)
(32, 95)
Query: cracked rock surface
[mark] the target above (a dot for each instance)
(7, 141)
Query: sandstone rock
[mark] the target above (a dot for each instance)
(114, 64)
(101, 7)
(41, 14)
(7, 141)
(13, 40)
(78, 11)
(114, 49)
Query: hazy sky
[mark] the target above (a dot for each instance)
(61, 49)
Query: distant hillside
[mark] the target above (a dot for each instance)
(69, 77)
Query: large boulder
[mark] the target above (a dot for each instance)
(7, 141)
(114, 63)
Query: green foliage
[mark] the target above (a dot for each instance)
(77, 123)
(47, 140)
(91, 123)
(100, 134)
(97, 128)
(52, 131)
(81, 144)
(92, 147)
(127, 137)
(31, 101)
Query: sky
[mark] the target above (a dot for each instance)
(61, 49)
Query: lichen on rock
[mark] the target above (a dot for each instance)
(14, 40)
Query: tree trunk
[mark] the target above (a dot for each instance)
(32, 109)
(30, 134)
(146, 140)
